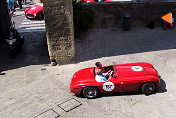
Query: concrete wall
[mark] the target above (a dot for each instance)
(142, 12)
(59, 27)
(4, 20)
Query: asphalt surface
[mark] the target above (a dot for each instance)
(30, 87)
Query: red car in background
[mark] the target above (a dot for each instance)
(112, 1)
(126, 77)
(87, 1)
(108, 1)
(35, 12)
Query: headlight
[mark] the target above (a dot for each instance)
(10, 43)
(35, 14)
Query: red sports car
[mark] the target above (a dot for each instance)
(126, 77)
(114, 0)
(87, 1)
(108, 1)
(35, 12)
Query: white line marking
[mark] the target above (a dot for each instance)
(23, 31)
(25, 20)
(31, 25)
(35, 28)
(35, 22)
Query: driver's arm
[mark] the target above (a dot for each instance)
(108, 72)
(109, 77)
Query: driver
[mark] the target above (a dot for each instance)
(99, 66)
(102, 77)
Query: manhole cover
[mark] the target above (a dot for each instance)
(48, 114)
(70, 105)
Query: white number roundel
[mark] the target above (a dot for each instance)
(108, 86)
(136, 68)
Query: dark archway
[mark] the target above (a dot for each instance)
(4, 20)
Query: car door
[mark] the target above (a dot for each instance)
(109, 86)
(125, 85)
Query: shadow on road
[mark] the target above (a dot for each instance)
(99, 43)
(120, 94)
(107, 42)
(34, 52)
(162, 88)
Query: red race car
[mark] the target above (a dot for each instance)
(108, 1)
(114, 0)
(87, 1)
(35, 12)
(125, 77)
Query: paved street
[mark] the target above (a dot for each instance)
(31, 88)
(32, 25)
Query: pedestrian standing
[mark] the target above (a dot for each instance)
(24, 1)
(8, 5)
(11, 6)
(167, 24)
(20, 3)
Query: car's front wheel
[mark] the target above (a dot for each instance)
(90, 92)
(148, 88)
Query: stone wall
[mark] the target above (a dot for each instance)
(59, 27)
(59, 24)
(142, 12)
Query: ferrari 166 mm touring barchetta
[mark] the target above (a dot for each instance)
(35, 12)
(125, 78)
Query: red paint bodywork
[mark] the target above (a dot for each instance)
(36, 9)
(108, 1)
(132, 80)
(112, 1)
(87, 1)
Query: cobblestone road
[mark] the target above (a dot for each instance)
(30, 88)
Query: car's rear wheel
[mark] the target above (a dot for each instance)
(90, 92)
(148, 88)
(40, 16)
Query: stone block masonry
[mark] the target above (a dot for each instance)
(59, 28)
(59, 21)
(142, 12)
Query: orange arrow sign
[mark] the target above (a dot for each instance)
(168, 17)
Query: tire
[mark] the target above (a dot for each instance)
(90, 92)
(148, 88)
(79, 95)
(40, 16)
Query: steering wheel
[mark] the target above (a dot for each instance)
(111, 73)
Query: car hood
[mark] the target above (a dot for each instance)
(134, 71)
(34, 9)
(83, 76)
(87, 1)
